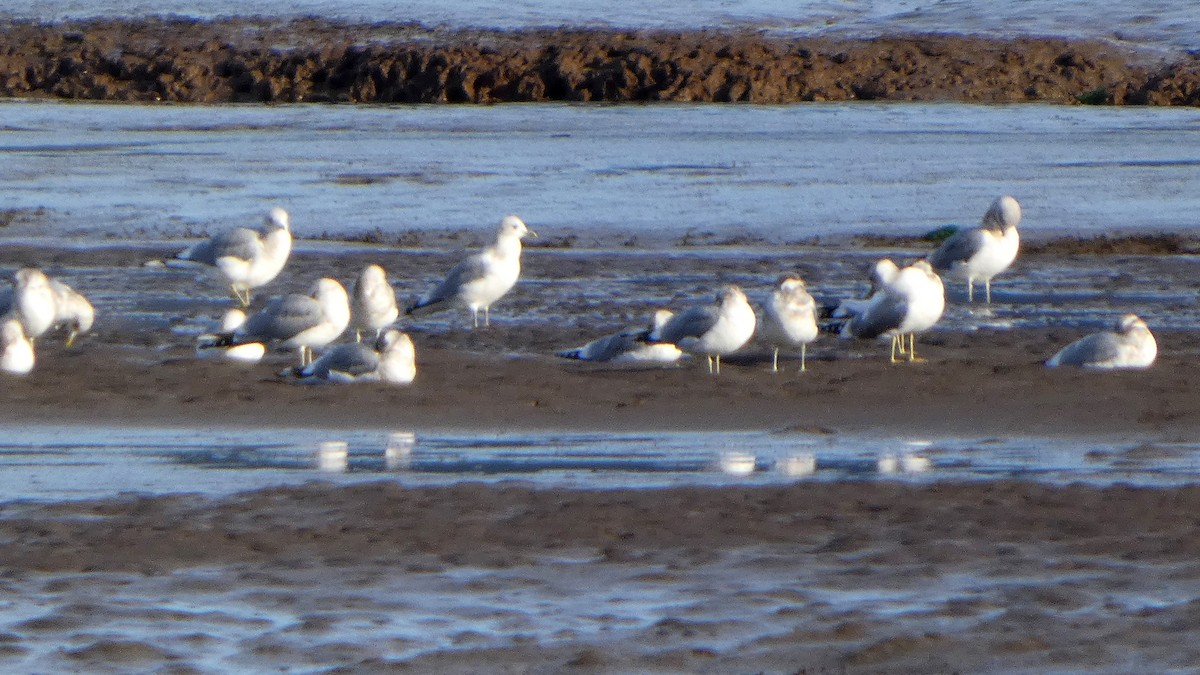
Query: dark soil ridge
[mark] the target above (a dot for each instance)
(249, 60)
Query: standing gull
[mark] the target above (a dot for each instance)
(713, 330)
(31, 301)
(629, 346)
(790, 319)
(72, 309)
(390, 359)
(374, 303)
(980, 253)
(485, 277)
(296, 321)
(1129, 345)
(16, 351)
(911, 303)
(247, 258)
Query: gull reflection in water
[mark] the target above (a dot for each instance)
(736, 463)
(906, 463)
(801, 464)
(333, 456)
(397, 455)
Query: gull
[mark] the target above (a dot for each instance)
(1129, 345)
(629, 346)
(247, 258)
(374, 302)
(72, 309)
(980, 253)
(247, 352)
(713, 330)
(883, 272)
(911, 303)
(485, 277)
(390, 359)
(296, 321)
(16, 351)
(31, 301)
(790, 319)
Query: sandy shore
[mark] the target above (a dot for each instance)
(312, 60)
(855, 576)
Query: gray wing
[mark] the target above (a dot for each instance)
(1095, 348)
(463, 273)
(241, 243)
(282, 318)
(352, 359)
(6, 300)
(693, 322)
(958, 248)
(608, 347)
(883, 313)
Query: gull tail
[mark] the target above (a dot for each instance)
(576, 354)
(419, 305)
(215, 341)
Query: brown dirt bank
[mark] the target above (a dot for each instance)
(501, 526)
(309, 60)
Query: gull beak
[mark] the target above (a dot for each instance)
(71, 338)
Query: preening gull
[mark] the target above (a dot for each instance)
(247, 258)
(713, 330)
(390, 359)
(31, 301)
(911, 303)
(1129, 345)
(72, 310)
(302, 322)
(980, 253)
(790, 319)
(247, 352)
(485, 277)
(883, 272)
(629, 346)
(16, 351)
(374, 303)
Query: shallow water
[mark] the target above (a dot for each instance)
(54, 463)
(600, 173)
(1166, 24)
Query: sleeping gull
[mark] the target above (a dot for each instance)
(713, 330)
(374, 302)
(296, 321)
(31, 301)
(485, 277)
(911, 303)
(980, 253)
(1129, 345)
(390, 359)
(247, 258)
(72, 309)
(246, 352)
(790, 319)
(629, 346)
(16, 351)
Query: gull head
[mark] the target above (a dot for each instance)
(27, 277)
(330, 289)
(790, 283)
(661, 317)
(279, 219)
(513, 226)
(1130, 323)
(1004, 213)
(731, 294)
(393, 340)
(883, 272)
(373, 274)
(11, 332)
(232, 320)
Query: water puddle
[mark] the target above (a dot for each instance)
(51, 463)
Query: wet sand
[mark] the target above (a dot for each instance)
(316, 61)
(855, 576)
